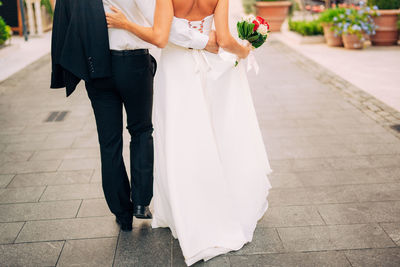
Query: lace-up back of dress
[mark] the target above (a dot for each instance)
(203, 26)
(195, 13)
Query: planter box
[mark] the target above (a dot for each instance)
(386, 32)
(274, 13)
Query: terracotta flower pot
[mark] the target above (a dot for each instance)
(274, 12)
(330, 37)
(386, 32)
(352, 41)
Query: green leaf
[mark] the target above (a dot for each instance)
(250, 28)
(241, 30)
(259, 42)
(252, 38)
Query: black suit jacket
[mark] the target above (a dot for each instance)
(80, 48)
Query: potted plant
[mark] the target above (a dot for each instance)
(356, 24)
(329, 19)
(275, 11)
(386, 21)
(5, 30)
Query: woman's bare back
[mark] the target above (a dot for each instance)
(194, 9)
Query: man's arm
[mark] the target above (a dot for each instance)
(180, 33)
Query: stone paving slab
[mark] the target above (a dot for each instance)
(94, 208)
(64, 229)
(72, 191)
(14, 156)
(79, 164)
(51, 178)
(374, 257)
(21, 138)
(5, 179)
(31, 254)
(9, 232)
(21, 194)
(353, 236)
(29, 166)
(393, 230)
(34, 146)
(88, 252)
(39, 211)
(133, 248)
(366, 212)
(316, 259)
(291, 216)
(79, 153)
(312, 195)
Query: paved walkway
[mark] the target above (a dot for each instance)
(374, 69)
(18, 53)
(336, 187)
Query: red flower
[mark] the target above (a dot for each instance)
(256, 25)
(260, 20)
(266, 24)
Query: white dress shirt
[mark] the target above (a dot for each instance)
(141, 12)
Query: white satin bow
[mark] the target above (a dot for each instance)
(252, 63)
(200, 58)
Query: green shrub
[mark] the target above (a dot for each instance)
(248, 6)
(331, 15)
(385, 4)
(398, 23)
(306, 28)
(5, 31)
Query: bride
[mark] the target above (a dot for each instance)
(211, 167)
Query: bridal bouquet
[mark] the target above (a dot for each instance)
(253, 29)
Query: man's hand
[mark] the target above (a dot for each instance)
(212, 45)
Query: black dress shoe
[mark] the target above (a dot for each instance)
(124, 225)
(142, 212)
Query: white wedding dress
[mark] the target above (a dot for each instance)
(211, 167)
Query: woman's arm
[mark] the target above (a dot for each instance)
(180, 33)
(224, 37)
(158, 34)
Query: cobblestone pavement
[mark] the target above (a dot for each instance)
(336, 183)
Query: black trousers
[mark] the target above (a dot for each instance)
(131, 87)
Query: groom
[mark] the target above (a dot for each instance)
(118, 72)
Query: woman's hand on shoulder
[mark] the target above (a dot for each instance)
(117, 19)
